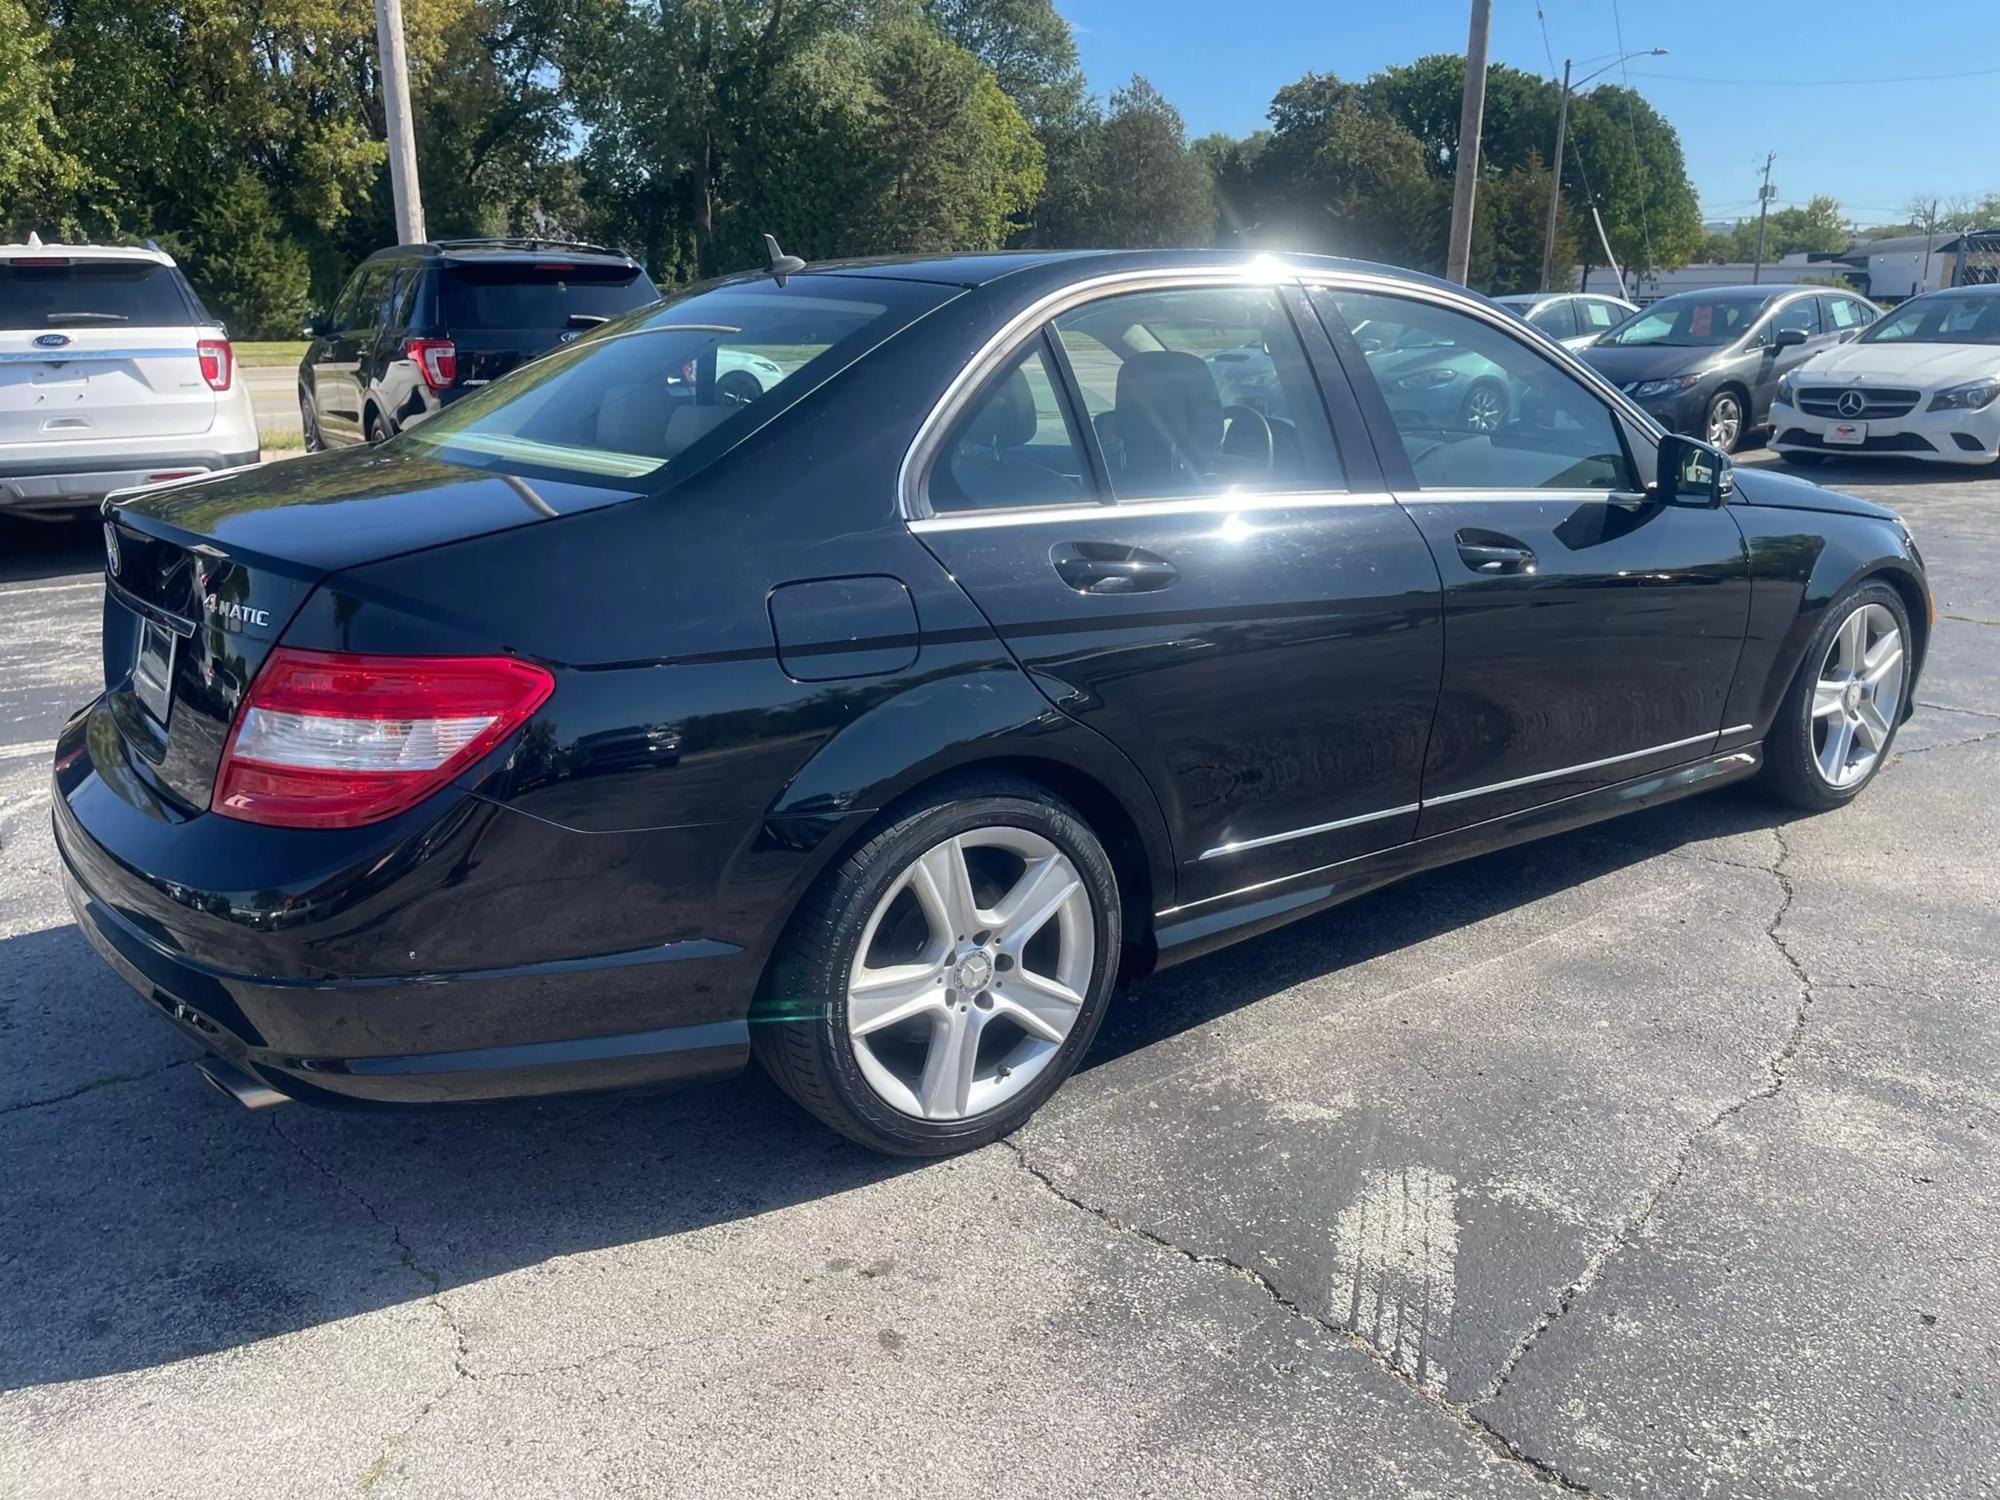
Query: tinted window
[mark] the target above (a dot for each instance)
(1690, 320)
(1198, 391)
(1557, 320)
(1478, 409)
(92, 294)
(626, 400)
(1014, 445)
(342, 314)
(1802, 315)
(542, 295)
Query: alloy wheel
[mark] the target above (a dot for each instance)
(1857, 695)
(1725, 422)
(971, 973)
(1485, 409)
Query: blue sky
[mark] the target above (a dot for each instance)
(1747, 76)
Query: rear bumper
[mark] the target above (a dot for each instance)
(243, 973)
(44, 484)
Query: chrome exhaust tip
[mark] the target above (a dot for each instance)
(239, 1085)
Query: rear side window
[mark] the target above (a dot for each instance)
(541, 295)
(87, 294)
(1014, 445)
(1596, 315)
(1845, 313)
(629, 399)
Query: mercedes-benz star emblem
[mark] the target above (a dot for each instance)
(111, 549)
(1851, 404)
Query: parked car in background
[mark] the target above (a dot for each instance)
(112, 374)
(881, 726)
(1572, 319)
(1922, 382)
(1431, 380)
(1708, 362)
(418, 326)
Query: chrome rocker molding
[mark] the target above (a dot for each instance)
(1185, 932)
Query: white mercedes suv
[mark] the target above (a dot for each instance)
(112, 374)
(1922, 382)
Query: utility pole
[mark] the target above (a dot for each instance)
(1930, 233)
(396, 116)
(1763, 208)
(1471, 117)
(1556, 184)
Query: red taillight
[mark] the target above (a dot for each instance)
(329, 739)
(436, 358)
(218, 362)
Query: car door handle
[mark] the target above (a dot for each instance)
(1111, 568)
(1489, 552)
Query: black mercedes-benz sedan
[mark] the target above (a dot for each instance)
(607, 729)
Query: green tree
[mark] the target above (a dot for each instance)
(1134, 180)
(35, 169)
(1818, 226)
(1030, 49)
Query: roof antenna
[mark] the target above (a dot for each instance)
(777, 263)
(35, 241)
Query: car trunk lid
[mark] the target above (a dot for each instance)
(203, 577)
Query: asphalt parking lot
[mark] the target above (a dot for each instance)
(1654, 1159)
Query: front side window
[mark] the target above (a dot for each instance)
(1478, 409)
(1940, 318)
(1802, 315)
(628, 399)
(1014, 445)
(1557, 320)
(1200, 391)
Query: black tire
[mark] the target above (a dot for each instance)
(1708, 417)
(799, 1029)
(379, 431)
(315, 441)
(738, 388)
(1790, 772)
(1802, 460)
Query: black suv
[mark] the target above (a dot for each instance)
(417, 326)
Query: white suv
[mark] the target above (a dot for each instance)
(112, 374)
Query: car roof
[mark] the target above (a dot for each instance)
(1757, 292)
(503, 251)
(87, 252)
(985, 268)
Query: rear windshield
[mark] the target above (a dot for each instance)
(626, 400)
(542, 295)
(85, 294)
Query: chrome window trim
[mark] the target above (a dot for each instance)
(1187, 505)
(1004, 341)
(1478, 791)
(1462, 496)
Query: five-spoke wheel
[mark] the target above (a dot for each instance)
(1839, 717)
(945, 977)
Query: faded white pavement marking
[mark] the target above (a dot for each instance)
(1396, 1268)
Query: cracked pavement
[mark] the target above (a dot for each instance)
(1656, 1159)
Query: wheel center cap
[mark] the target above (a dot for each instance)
(1851, 698)
(974, 972)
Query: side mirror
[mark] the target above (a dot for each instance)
(1789, 338)
(1693, 473)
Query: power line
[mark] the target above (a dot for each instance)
(1545, 40)
(1814, 83)
(1632, 126)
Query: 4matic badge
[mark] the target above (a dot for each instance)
(233, 613)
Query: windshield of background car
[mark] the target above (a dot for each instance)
(628, 399)
(1688, 322)
(1965, 319)
(541, 294)
(92, 294)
